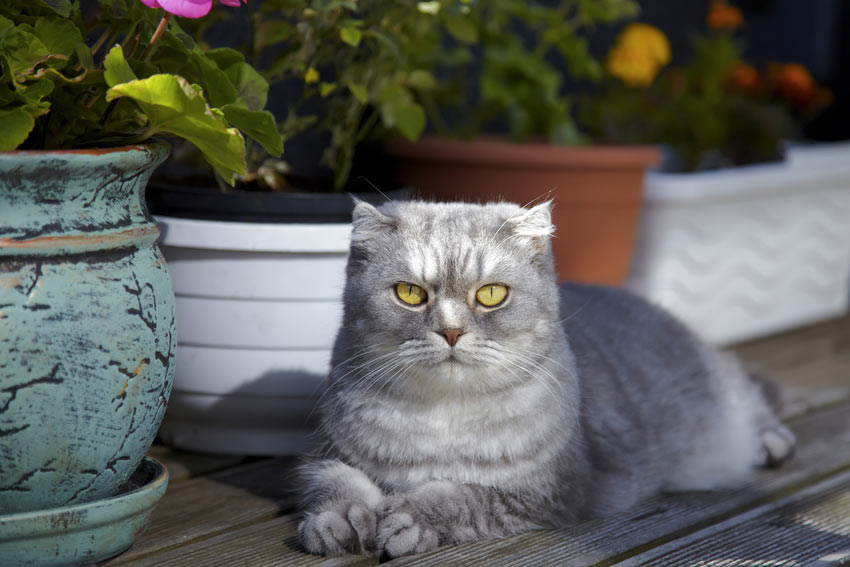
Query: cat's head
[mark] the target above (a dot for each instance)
(450, 295)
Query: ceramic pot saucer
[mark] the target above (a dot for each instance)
(83, 534)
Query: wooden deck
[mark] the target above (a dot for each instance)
(226, 511)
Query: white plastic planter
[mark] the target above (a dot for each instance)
(745, 252)
(258, 308)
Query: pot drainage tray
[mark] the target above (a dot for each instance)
(87, 533)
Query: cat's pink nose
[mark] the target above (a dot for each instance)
(452, 335)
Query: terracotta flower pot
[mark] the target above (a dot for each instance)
(597, 192)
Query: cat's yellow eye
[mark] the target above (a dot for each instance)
(410, 293)
(491, 295)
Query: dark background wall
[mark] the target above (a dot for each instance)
(815, 33)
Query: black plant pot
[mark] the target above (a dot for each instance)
(252, 206)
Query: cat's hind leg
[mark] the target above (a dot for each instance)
(340, 503)
(778, 442)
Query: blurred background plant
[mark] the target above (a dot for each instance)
(376, 68)
(714, 111)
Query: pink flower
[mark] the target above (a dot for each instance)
(188, 8)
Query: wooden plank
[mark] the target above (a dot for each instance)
(183, 465)
(824, 449)
(216, 503)
(800, 529)
(824, 438)
(784, 353)
(270, 543)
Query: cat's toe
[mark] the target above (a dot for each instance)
(401, 531)
(778, 443)
(339, 531)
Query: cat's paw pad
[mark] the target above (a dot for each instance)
(402, 531)
(341, 530)
(777, 445)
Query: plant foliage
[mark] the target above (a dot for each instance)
(81, 74)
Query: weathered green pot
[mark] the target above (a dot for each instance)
(87, 324)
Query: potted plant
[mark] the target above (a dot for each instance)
(526, 49)
(258, 270)
(741, 234)
(87, 319)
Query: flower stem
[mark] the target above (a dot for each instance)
(156, 35)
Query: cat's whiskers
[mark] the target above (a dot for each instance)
(367, 380)
(334, 379)
(530, 373)
(535, 369)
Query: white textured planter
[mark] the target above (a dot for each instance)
(258, 308)
(745, 252)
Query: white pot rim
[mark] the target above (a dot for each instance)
(254, 236)
(805, 165)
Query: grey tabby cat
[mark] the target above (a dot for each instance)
(472, 398)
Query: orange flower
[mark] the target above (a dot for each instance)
(722, 16)
(640, 52)
(744, 78)
(793, 82)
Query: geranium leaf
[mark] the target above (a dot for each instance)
(84, 55)
(219, 87)
(251, 88)
(59, 36)
(174, 106)
(117, 69)
(258, 125)
(224, 57)
(61, 7)
(15, 126)
(22, 48)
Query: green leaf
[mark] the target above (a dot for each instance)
(224, 57)
(218, 85)
(117, 71)
(22, 48)
(84, 55)
(174, 106)
(258, 125)
(462, 28)
(326, 88)
(251, 88)
(59, 36)
(61, 7)
(15, 126)
(351, 36)
(421, 79)
(410, 120)
(271, 32)
(33, 92)
(400, 112)
(359, 92)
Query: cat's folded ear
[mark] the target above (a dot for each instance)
(369, 222)
(534, 225)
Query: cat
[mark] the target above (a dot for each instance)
(471, 397)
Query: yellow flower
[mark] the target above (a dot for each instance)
(311, 76)
(640, 52)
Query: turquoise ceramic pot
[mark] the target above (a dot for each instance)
(87, 324)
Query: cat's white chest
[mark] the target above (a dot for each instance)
(483, 440)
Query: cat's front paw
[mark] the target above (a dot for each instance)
(402, 530)
(345, 528)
